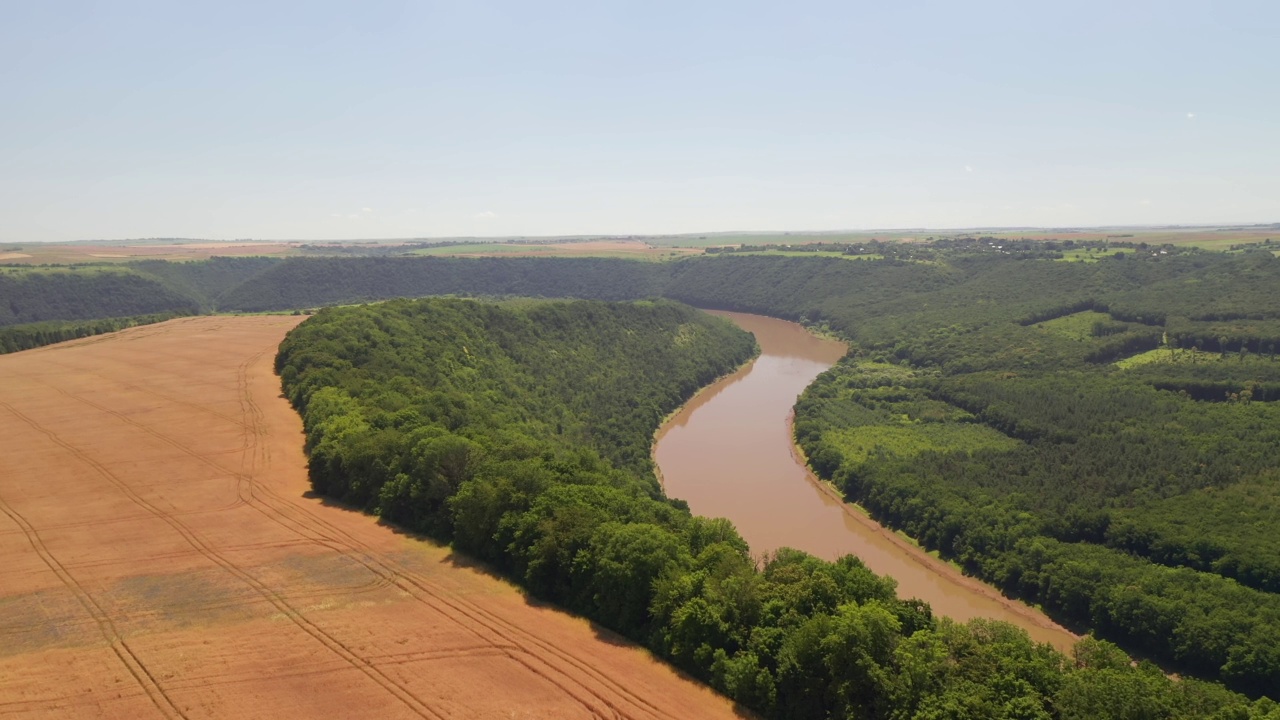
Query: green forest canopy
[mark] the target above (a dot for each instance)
(471, 422)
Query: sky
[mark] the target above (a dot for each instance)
(349, 120)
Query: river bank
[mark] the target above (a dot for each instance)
(730, 452)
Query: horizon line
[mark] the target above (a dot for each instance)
(635, 235)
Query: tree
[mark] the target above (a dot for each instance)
(619, 569)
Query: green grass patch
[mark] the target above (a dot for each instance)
(1159, 355)
(913, 438)
(1081, 255)
(495, 248)
(874, 373)
(1077, 326)
(1171, 356)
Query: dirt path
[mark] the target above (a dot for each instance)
(159, 558)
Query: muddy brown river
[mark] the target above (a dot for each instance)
(729, 453)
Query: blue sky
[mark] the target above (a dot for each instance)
(331, 120)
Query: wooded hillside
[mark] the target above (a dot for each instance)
(520, 432)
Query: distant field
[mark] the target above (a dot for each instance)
(1206, 238)
(1201, 237)
(98, 268)
(798, 238)
(69, 253)
(630, 249)
(482, 248)
(802, 253)
(654, 247)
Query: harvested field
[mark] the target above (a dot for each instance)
(631, 249)
(69, 253)
(160, 557)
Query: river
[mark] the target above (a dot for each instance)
(729, 453)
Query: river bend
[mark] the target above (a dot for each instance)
(729, 453)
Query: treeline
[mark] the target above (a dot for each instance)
(1228, 288)
(207, 281)
(1049, 484)
(879, 303)
(87, 294)
(511, 430)
(25, 337)
(313, 282)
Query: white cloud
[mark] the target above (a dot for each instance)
(1191, 116)
(968, 169)
(1144, 202)
(366, 209)
(485, 215)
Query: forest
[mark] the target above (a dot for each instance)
(471, 422)
(88, 293)
(1095, 436)
(1137, 499)
(32, 335)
